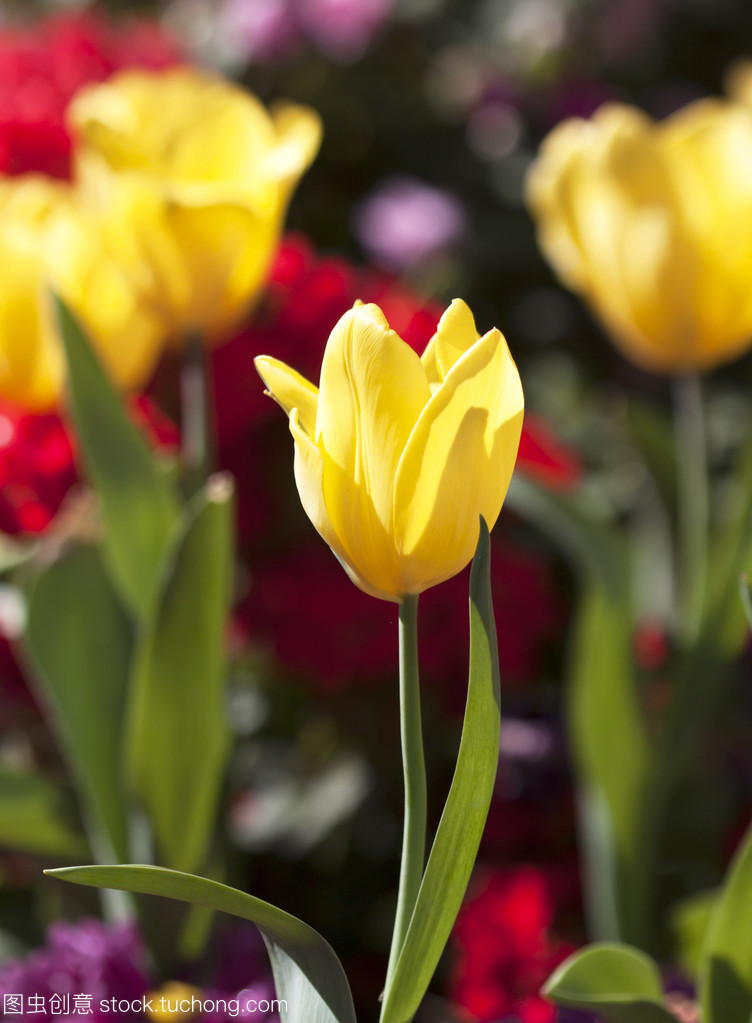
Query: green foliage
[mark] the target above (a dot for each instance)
(617, 982)
(307, 973)
(33, 817)
(726, 972)
(458, 835)
(138, 503)
(176, 732)
(613, 759)
(80, 652)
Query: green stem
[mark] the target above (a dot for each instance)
(196, 414)
(414, 831)
(692, 469)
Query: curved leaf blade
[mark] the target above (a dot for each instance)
(307, 973)
(177, 735)
(726, 972)
(620, 983)
(459, 832)
(139, 505)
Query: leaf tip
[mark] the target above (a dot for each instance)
(220, 488)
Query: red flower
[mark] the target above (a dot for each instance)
(299, 591)
(544, 458)
(505, 948)
(41, 68)
(37, 461)
(36, 469)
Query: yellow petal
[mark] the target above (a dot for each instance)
(373, 388)
(428, 361)
(455, 334)
(290, 390)
(298, 131)
(457, 464)
(309, 478)
(31, 359)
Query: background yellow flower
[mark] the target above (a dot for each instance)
(192, 177)
(650, 223)
(48, 242)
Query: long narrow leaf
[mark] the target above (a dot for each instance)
(139, 506)
(611, 747)
(80, 652)
(461, 826)
(308, 976)
(177, 732)
(726, 969)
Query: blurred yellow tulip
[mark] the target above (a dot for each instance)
(396, 456)
(652, 224)
(192, 177)
(48, 242)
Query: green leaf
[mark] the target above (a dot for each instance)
(653, 433)
(177, 731)
(33, 819)
(79, 640)
(746, 595)
(139, 505)
(613, 758)
(726, 972)
(621, 984)
(588, 545)
(689, 921)
(307, 973)
(461, 826)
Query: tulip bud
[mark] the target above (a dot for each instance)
(396, 456)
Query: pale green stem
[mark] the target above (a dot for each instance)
(692, 469)
(196, 422)
(411, 731)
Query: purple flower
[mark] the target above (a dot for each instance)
(100, 972)
(262, 30)
(273, 29)
(404, 221)
(83, 959)
(343, 28)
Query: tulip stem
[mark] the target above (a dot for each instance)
(692, 475)
(195, 418)
(411, 731)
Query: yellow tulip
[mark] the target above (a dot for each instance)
(649, 223)
(48, 242)
(397, 456)
(193, 178)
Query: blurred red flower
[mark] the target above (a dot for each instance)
(505, 948)
(297, 593)
(43, 64)
(36, 469)
(38, 464)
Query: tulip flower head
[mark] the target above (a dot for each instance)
(49, 242)
(646, 221)
(397, 456)
(193, 177)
